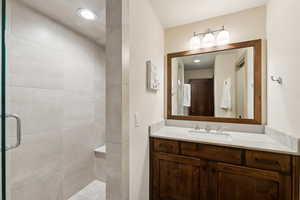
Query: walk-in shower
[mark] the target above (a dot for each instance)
(53, 99)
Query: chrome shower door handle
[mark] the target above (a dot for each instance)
(19, 131)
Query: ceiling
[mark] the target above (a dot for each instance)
(206, 61)
(64, 12)
(178, 12)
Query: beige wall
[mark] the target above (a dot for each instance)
(56, 83)
(283, 60)
(147, 43)
(243, 26)
(224, 69)
(175, 85)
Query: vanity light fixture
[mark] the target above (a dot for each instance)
(86, 14)
(197, 61)
(195, 42)
(223, 37)
(209, 39)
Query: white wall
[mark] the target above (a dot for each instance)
(147, 43)
(283, 60)
(56, 84)
(243, 26)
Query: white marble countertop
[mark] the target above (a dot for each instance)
(252, 141)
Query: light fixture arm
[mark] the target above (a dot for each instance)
(209, 31)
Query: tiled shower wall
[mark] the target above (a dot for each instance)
(56, 84)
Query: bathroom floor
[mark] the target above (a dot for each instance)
(94, 191)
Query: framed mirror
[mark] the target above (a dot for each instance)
(220, 84)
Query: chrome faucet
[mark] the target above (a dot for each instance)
(208, 129)
(197, 127)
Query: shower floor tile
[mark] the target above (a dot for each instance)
(94, 191)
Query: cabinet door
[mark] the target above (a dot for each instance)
(178, 178)
(242, 183)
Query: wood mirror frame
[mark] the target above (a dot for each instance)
(257, 46)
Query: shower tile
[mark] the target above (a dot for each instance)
(76, 177)
(80, 72)
(100, 72)
(79, 77)
(39, 152)
(45, 184)
(114, 114)
(100, 87)
(36, 28)
(99, 76)
(78, 158)
(113, 163)
(100, 168)
(39, 109)
(77, 144)
(78, 109)
(27, 69)
(99, 136)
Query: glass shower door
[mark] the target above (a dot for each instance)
(53, 78)
(10, 122)
(2, 101)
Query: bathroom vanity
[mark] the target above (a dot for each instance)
(220, 86)
(187, 166)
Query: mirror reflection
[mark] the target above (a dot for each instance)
(218, 84)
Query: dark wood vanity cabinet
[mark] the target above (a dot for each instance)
(191, 171)
(177, 178)
(243, 183)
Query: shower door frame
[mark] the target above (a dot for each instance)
(3, 100)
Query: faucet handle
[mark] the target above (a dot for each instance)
(220, 129)
(197, 127)
(207, 128)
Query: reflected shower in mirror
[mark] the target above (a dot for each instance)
(218, 84)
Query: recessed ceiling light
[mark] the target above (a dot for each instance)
(86, 14)
(197, 61)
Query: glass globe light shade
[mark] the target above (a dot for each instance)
(209, 40)
(195, 42)
(223, 38)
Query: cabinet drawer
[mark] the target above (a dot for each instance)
(166, 146)
(211, 152)
(263, 160)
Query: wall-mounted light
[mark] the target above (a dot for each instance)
(197, 61)
(209, 39)
(195, 42)
(223, 37)
(86, 14)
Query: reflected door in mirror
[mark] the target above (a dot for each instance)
(202, 97)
